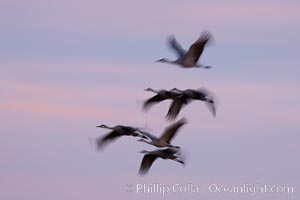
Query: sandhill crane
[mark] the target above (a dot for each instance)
(188, 96)
(165, 139)
(117, 131)
(189, 59)
(161, 95)
(151, 156)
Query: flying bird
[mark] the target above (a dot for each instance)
(160, 96)
(188, 96)
(117, 131)
(189, 59)
(165, 139)
(151, 156)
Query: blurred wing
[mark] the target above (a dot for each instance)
(146, 164)
(176, 47)
(155, 99)
(174, 109)
(171, 130)
(204, 91)
(211, 107)
(102, 141)
(197, 48)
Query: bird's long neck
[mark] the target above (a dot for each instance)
(152, 90)
(165, 60)
(107, 127)
(171, 61)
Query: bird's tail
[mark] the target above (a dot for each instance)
(182, 156)
(212, 103)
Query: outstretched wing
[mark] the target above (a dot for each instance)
(204, 91)
(213, 104)
(211, 107)
(146, 163)
(155, 99)
(174, 109)
(197, 48)
(102, 141)
(171, 130)
(176, 47)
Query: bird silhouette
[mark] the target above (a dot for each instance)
(117, 131)
(188, 59)
(151, 156)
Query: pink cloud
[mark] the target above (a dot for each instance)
(47, 109)
(242, 103)
(102, 69)
(64, 101)
(247, 103)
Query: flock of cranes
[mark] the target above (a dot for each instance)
(179, 98)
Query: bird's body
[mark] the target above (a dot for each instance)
(151, 156)
(188, 59)
(165, 139)
(117, 131)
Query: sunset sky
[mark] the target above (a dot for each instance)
(68, 66)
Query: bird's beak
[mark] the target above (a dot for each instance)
(98, 126)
